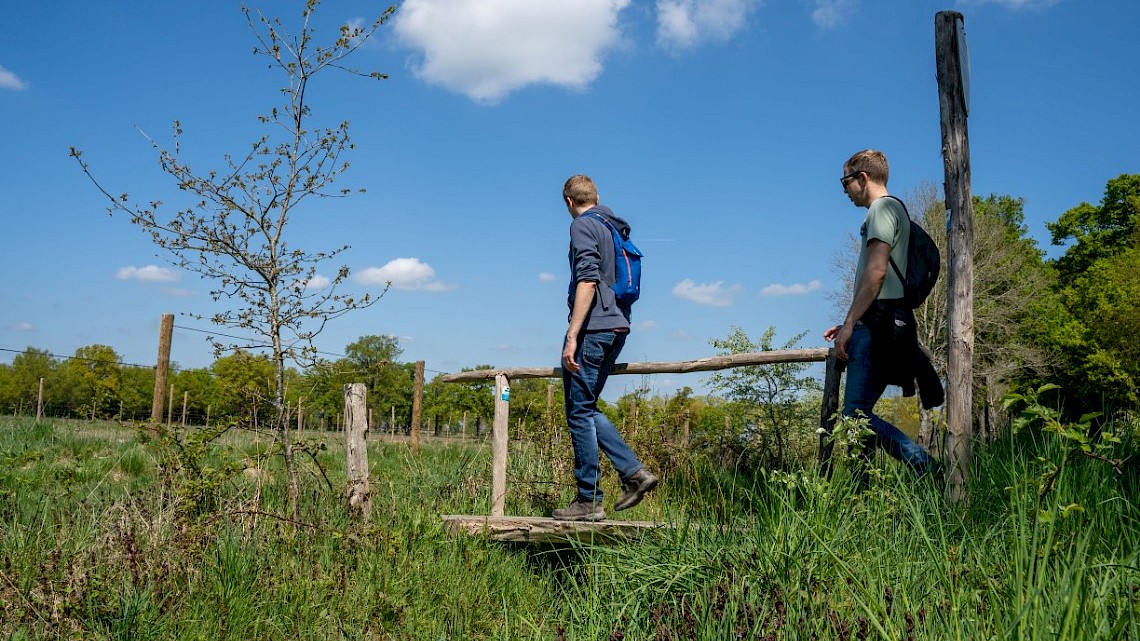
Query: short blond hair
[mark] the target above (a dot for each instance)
(869, 161)
(581, 190)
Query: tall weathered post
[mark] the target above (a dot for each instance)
(954, 103)
(162, 369)
(356, 450)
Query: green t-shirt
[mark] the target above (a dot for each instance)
(886, 221)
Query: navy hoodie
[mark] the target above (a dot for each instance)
(592, 259)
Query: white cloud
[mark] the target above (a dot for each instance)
(22, 327)
(645, 326)
(682, 24)
(9, 80)
(715, 294)
(317, 282)
(829, 14)
(681, 335)
(778, 289)
(150, 273)
(485, 49)
(403, 273)
(547, 277)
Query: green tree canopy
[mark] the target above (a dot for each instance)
(1099, 284)
(93, 379)
(1098, 232)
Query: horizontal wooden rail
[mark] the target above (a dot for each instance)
(724, 361)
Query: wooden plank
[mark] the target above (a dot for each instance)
(541, 529)
(711, 363)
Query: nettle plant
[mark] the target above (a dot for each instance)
(1082, 438)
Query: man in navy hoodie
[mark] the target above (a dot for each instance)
(597, 331)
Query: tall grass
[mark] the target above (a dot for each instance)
(103, 537)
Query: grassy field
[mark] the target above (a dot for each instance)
(111, 533)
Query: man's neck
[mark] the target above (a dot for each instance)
(581, 209)
(875, 191)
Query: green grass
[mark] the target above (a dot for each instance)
(104, 536)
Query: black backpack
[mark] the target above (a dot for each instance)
(923, 264)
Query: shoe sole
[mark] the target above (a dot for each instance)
(640, 494)
(600, 516)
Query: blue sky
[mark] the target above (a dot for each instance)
(716, 127)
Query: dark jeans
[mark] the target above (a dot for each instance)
(590, 430)
(864, 388)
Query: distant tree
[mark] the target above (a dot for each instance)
(244, 386)
(233, 233)
(773, 394)
(137, 392)
(475, 400)
(22, 378)
(375, 361)
(93, 380)
(197, 386)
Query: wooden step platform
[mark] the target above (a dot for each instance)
(541, 529)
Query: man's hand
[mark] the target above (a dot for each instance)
(571, 346)
(840, 334)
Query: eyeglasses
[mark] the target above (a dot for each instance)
(848, 178)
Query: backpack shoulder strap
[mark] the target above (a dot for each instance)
(906, 214)
(605, 221)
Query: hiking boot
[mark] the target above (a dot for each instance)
(580, 510)
(636, 487)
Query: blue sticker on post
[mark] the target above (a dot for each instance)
(507, 393)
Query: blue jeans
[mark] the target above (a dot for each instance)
(590, 430)
(864, 387)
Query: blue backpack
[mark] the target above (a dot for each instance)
(627, 261)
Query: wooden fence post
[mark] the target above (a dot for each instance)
(185, 401)
(417, 405)
(953, 101)
(356, 450)
(828, 408)
(40, 401)
(499, 445)
(555, 434)
(170, 407)
(162, 369)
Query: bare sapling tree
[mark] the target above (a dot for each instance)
(234, 234)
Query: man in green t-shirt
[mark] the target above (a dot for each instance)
(884, 235)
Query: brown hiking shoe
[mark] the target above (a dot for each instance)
(580, 510)
(636, 487)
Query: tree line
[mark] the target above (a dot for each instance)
(1066, 321)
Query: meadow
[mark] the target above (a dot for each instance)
(112, 531)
